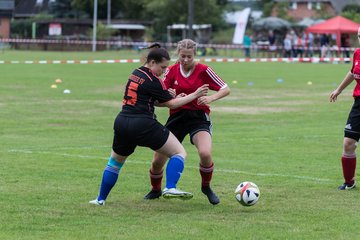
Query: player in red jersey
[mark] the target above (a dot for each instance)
(193, 118)
(352, 127)
(136, 124)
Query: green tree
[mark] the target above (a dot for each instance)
(266, 6)
(120, 9)
(282, 11)
(351, 11)
(160, 12)
(167, 12)
(102, 32)
(21, 28)
(322, 13)
(66, 9)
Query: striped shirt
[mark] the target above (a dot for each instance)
(202, 74)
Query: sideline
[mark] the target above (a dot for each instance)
(206, 60)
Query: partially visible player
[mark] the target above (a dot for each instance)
(136, 124)
(193, 118)
(352, 127)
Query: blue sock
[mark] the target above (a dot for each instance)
(174, 170)
(109, 178)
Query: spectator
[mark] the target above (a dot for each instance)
(345, 45)
(287, 46)
(272, 46)
(324, 45)
(309, 45)
(293, 38)
(300, 44)
(247, 45)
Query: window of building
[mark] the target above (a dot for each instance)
(318, 5)
(39, 2)
(312, 5)
(293, 5)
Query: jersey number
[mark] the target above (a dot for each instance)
(131, 94)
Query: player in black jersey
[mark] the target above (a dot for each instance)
(136, 124)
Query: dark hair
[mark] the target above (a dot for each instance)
(154, 45)
(157, 53)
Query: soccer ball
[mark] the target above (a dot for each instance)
(247, 193)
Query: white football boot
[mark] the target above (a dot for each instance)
(176, 193)
(97, 202)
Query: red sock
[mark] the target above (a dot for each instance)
(348, 166)
(155, 180)
(206, 174)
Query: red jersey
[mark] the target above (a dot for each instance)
(355, 70)
(175, 78)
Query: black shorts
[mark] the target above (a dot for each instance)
(189, 122)
(130, 132)
(352, 128)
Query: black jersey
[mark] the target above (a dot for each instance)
(141, 92)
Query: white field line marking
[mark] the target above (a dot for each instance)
(192, 167)
(39, 149)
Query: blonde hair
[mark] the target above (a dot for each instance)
(186, 44)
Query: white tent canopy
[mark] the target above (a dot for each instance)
(203, 31)
(194, 26)
(127, 26)
(307, 22)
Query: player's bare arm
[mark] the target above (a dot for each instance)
(205, 100)
(347, 80)
(180, 101)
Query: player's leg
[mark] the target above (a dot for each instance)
(177, 154)
(203, 142)
(351, 137)
(175, 125)
(348, 161)
(109, 178)
(124, 144)
(156, 174)
(200, 136)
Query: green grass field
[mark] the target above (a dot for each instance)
(284, 136)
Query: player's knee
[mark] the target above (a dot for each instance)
(181, 151)
(349, 146)
(205, 154)
(115, 163)
(183, 154)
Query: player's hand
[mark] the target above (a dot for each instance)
(334, 95)
(172, 92)
(181, 95)
(202, 91)
(204, 100)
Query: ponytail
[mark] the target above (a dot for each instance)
(156, 53)
(153, 45)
